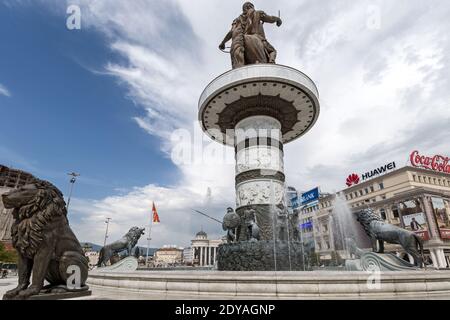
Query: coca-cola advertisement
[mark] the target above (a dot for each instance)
(441, 212)
(436, 163)
(414, 218)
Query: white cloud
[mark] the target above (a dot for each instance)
(383, 92)
(4, 91)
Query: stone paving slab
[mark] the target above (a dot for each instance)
(102, 293)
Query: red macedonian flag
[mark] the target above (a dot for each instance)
(155, 214)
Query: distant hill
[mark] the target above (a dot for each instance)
(97, 248)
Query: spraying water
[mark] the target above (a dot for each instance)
(345, 222)
(274, 223)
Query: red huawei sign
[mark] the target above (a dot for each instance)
(436, 163)
(352, 179)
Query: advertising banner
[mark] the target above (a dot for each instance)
(414, 218)
(442, 217)
(310, 196)
(294, 202)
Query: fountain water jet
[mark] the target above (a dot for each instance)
(346, 224)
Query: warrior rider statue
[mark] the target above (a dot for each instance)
(249, 44)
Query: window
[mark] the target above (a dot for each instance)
(383, 214)
(395, 212)
(372, 189)
(356, 194)
(360, 192)
(366, 190)
(381, 186)
(420, 179)
(383, 197)
(414, 177)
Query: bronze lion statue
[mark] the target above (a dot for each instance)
(380, 231)
(47, 247)
(128, 242)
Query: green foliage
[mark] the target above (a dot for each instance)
(7, 256)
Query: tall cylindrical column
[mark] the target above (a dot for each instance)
(259, 171)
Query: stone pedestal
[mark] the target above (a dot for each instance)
(261, 256)
(257, 109)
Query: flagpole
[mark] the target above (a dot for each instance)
(149, 236)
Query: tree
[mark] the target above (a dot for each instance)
(8, 256)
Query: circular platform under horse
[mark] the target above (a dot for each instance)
(277, 91)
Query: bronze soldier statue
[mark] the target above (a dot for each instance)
(248, 40)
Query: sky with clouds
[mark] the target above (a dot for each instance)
(106, 100)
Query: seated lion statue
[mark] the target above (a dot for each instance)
(380, 231)
(128, 242)
(47, 247)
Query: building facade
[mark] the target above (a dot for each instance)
(188, 256)
(204, 251)
(413, 198)
(10, 179)
(168, 256)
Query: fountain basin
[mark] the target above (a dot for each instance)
(269, 284)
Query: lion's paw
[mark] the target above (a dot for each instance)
(25, 294)
(11, 293)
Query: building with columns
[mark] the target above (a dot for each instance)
(410, 197)
(204, 251)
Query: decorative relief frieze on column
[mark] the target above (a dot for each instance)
(259, 192)
(259, 157)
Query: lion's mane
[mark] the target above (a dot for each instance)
(365, 217)
(132, 236)
(31, 219)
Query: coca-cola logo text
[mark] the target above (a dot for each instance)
(437, 163)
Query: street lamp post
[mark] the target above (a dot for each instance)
(107, 227)
(72, 183)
